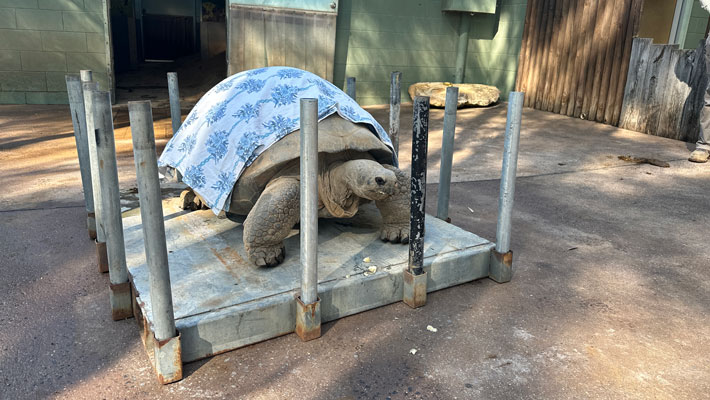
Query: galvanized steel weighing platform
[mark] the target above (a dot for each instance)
(223, 302)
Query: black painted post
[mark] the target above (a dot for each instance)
(420, 136)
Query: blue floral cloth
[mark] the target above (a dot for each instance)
(241, 117)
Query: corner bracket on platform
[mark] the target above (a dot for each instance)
(414, 294)
(501, 267)
(167, 359)
(121, 301)
(308, 320)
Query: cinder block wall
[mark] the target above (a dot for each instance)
(41, 41)
(376, 37)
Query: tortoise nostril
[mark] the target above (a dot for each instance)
(380, 181)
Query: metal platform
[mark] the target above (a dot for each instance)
(223, 302)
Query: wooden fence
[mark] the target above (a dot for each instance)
(664, 90)
(574, 56)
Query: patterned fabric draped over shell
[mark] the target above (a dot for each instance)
(241, 117)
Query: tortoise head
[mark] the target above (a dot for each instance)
(369, 179)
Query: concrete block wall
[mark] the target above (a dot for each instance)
(41, 41)
(376, 37)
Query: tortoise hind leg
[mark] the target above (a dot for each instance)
(271, 220)
(189, 200)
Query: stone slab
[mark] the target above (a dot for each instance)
(223, 302)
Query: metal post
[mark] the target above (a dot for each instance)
(120, 288)
(78, 117)
(308, 314)
(88, 86)
(174, 94)
(447, 153)
(350, 87)
(415, 279)
(168, 364)
(501, 262)
(395, 100)
(156, 252)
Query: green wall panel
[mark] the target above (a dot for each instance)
(376, 37)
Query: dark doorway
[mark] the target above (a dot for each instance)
(167, 37)
(153, 37)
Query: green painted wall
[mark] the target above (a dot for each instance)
(696, 26)
(41, 41)
(376, 37)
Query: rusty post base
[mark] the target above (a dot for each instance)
(501, 268)
(414, 289)
(167, 359)
(102, 256)
(307, 320)
(121, 301)
(91, 225)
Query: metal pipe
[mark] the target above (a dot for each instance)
(174, 94)
(462, 47)
(156, 251)
(88, 87)
(78, 118)
(350, 87)
(110, 199)
(420, 137)
(510, 163)
(309, 200)
(395, 101)
(447, 152)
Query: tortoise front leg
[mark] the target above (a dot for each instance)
(271, 220)
(395, 210)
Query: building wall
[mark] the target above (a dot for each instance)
(696, 26)
(657, 19)
(41, 41)
(376, 37)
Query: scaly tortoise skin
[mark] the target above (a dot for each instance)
(353, 168)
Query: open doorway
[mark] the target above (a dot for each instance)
(153, 37)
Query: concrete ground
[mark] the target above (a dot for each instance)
(610, 296)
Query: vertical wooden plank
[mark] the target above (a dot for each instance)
(535, 50)
(635, 83)
(321, 33)
(655, 57)
(311, 45)
(631, 30)
(567, 61)
(329, 46)
(236, 44)
(524, 46)
(554, 56)
(601, 39)
(534, 73)
(590, 18)
(545, 56)
(675, 93)
(613, 56)
(577, 55)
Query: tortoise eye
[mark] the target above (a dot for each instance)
(380, 181)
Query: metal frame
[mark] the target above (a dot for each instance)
(161, 338)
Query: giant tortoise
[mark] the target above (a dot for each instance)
(354, 168)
